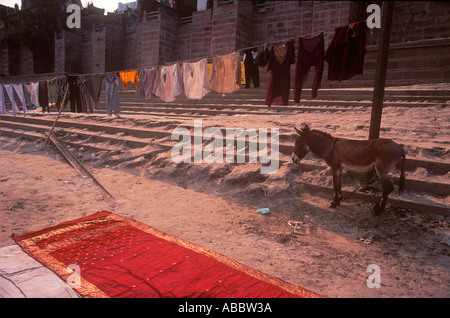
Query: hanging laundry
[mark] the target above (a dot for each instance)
(2, 101)
(310, 53)
(18, 88)
(167, 83)
(130, 76)
(35, 94)
(94, 86)
(210, 68)
(263, 57)
(280, 61)
(226, 73)
(146, 81)
(33, 91)
(112, 94)
(60, 92)
(27, 93)
(346, 51)
(75, 97)
(52, 90)
(86, 105)
(10, 91)
(242, 81)
(251, 68)
(195, 79)
(180, 77)
(43, 96)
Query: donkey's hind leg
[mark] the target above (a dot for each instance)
(337, 186)
(387, 187)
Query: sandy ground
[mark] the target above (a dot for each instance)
(214, 207)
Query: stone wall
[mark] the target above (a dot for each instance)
(3, 70)
(167, 36)
(73, 52)
(86, 53)
(114, 47)
(291, 19)
(150, 40)
(420, 45)
(193, 37)
(98, 43)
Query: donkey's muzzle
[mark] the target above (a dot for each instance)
(295, 159)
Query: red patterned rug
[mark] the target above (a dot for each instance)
(119, 257)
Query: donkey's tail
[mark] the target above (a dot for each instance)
(401, 183)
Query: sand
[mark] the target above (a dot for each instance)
(214, 205)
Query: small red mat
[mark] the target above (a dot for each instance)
(119, 257)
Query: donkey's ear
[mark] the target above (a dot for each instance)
(298, 131)
(305, 126)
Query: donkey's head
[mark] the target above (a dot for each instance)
(301, 148)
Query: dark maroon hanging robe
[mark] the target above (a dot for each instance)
(310, 53)
(280, 61)
(43, 96)
(346, 51)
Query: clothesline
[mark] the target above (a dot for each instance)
(335, 73)
(238, 50)
(209, 57)
(298, 36)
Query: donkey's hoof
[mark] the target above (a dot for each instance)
(333, 205)
(377, 210)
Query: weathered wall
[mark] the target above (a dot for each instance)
(98, 42)
(73, 44)
(193, 39)
(114, 47)
(420, 45)
(167, 36)
(150, 41)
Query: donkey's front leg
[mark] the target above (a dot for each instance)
(337, 185)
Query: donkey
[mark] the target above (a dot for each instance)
(354, 155)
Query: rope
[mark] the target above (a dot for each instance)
(308, 34)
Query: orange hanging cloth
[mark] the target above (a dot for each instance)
(130, 76)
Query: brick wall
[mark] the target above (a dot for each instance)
(223, 31)
(73, 46)
(419, 20)
(150, 40)
(244, 35)
(98, 40)
(167, 36)
(4, 62)
(132, 43)
(114, 47)
(193, 38)
(419, 40)
(419, 62)
(26, 61)
(2, 69)
(420, 45)
(86, 53)
(291, 19)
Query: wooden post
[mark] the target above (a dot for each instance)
(74, 161)
(380, 74)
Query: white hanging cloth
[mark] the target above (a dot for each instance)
(167, 83)
(2, 101)
(10, 88)
(195, 79)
